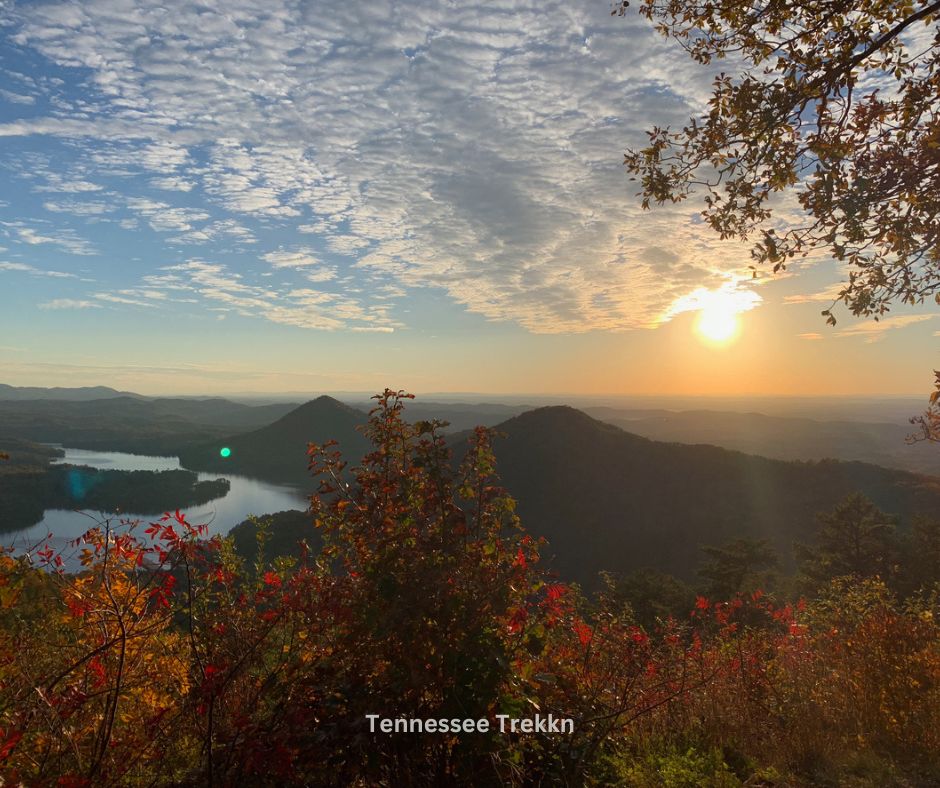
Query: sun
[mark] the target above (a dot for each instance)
(717, 325)
(718, 312)
(718, 320)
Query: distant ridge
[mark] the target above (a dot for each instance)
(80, 394)
(129, 423)
(278, 452)
(608, 499)
(782, 437)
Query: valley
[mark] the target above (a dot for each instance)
(609, 489)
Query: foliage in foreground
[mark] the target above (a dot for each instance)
(167, 661)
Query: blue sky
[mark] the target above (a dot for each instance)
(320, 196)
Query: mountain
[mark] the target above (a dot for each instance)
(462, 415)
(130, 423)
(785, 438)
(204, 412)
(278, 452)
(219, 412)
(608, 499)
(76, 394)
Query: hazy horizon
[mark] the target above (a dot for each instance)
(454, 395)
(891, 409)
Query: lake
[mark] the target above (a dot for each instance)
(245, 497)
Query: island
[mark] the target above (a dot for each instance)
(30, 484)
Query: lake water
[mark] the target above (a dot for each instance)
(245, 497)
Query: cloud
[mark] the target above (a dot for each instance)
(828, 295)
(812, 336)
(173, 183)
(227, 229)
(28, 269)
(347, 244)
(224, 378)
(16, 98)
(69, 303)
(874, 330)
(64, 238)
(474, 149)
(76, 208)
(730, 297)
(298, 258)
(56, 183)
(162, 156)
(216, 287)
(163, 217)
(305, 260)
(319, 275)
(116, 298)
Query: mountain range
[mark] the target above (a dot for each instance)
(30, 393)
(605, 498)
(781, 437)
(129, 422)
(789, 429)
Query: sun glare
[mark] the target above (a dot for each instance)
(718, 312)
(717, 325)
(719, 320)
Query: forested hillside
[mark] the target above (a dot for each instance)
(278, 452)
(606, 499)
(131, 423)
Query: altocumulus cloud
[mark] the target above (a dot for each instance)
(474, 148)
(69, 303)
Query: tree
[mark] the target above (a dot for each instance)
(922, 565)
(652, 596)
(434, 595)
(738, 566)
(839, 105)
(928, 425)
(856, 539)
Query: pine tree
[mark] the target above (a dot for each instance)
(856, 539)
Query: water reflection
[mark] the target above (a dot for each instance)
(245, 497)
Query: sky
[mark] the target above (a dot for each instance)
(222, 197)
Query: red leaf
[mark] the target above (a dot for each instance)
(8, 742)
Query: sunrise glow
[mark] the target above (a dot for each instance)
(717, 323)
